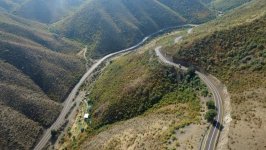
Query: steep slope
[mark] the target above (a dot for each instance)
(108, 26)
(45, 11)
(32, 49)
(54, 73)
(34, 78)
(35, 32)
(25, 109)
(236, 55)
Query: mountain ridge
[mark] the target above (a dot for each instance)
(119, 24)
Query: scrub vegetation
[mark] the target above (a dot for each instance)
(136, 82)
(37, 71)
(39, 66)
(138, 87)
(236, 55)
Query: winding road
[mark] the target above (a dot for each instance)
(214, 132)
(213, 135)
(69, 102)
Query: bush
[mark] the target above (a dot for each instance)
(191, 71)
(209, 116)
(204, 92)
(210, 104)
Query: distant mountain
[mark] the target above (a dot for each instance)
(45, 11)
(37, 70)
(107, 26)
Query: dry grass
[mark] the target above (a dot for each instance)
(150, 131)
(248, 113)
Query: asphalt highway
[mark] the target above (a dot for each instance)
(213, 135)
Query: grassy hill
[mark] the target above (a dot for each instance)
(108, 26)
(133, 91)
(236, 55)
(133, 84)
(37, 70)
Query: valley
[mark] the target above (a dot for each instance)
(69, 103)
(143, 74)
(208, 141)
(120, 24)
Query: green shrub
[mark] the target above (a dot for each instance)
(205, 92)
(210, 104)
(191, 71)
(209, 116)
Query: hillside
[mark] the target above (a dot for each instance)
(37, 70)
(194, 11)
(25, 109)
(135, 101)
(225, 5)
(236, 55)
(131, 85)
(35, 32)
(32, 49)
(134, 95)
(107, 26)
(45, 11)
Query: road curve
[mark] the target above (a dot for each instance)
(69, 101)
(213, 135)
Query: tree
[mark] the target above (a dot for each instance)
(191, 71)
(210, 104)
(209, 116)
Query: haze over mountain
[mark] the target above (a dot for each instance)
(45, 11)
